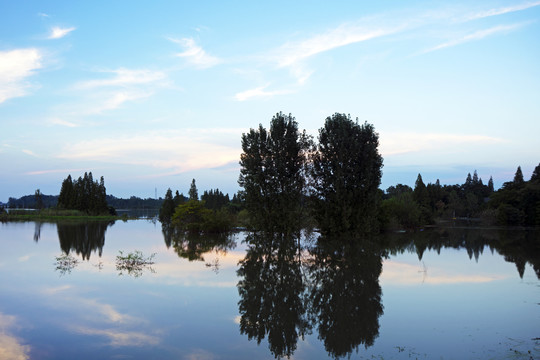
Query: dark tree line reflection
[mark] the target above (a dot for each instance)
(272, 292)
(287, 290)
(290, 288)
(345, 295)
(517, 246)
(193, 246)
(83, 238)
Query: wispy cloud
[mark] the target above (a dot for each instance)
(55, 290)
(195, 54)
(124, 77)
(345, 34)
(59, 32)
(29, 152)
(61, 122)
(116, 99)
(177, 151)
(501, 10)
(15, 67)
(121, 338)
(478, 35)
(54, 171)
(259, 92)
(109, 93)
(402, 143)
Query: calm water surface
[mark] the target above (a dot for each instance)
(444, 294)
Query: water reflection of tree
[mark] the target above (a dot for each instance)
(345, 295)
(83, 238)
(37, 230)
(193, 246)
(272, 292)
(516, 246)
(338, 293)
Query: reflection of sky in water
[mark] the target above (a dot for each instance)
(443, 305)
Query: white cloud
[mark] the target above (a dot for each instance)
(345, 34)
(10, 347)
(502, 10)
(58, 32)
(478, 35)
(259, 92)
(15, 67)
(28, 152)
(115, 99)
(125, 85)
(194, 54)
(55, 171)
(55, 290)
(200, 354)
(176, 151)
(121, 338)
(123, 78)
(57, 121)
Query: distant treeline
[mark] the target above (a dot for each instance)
(49, 201)
(516, 203)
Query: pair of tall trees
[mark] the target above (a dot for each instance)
(341, 174)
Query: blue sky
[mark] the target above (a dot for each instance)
(152, 94)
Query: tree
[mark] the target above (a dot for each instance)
(167, 208)
(179, 198)
(535, 177)
(193, 193)
(420, 192)
(66, 198)
(518, 177)
(39, 200)
(346, 174)
(272, 174)
(490, 185)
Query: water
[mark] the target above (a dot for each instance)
(444, 294)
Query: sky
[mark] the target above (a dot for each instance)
(151, 95)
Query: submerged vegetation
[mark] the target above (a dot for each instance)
(65, 263)
(134, 263)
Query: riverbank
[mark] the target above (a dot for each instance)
(58, 215)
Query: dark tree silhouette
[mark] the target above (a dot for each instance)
(272, 174)
(346, 174)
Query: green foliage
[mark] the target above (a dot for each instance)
(518, 205)
(401, 211)
(190, 216)
(194, 217)
(346, 174)
(272, 174)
